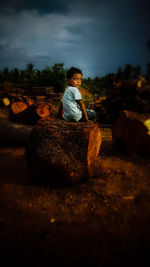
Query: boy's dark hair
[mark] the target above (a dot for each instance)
(73, 71)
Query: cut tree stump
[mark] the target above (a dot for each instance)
(14, 134)
(61, 153)
(131, 133)
(20, 112)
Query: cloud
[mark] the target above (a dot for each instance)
(93, 35)
(32, 37)
(42, 7)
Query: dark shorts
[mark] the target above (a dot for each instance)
(91, 115)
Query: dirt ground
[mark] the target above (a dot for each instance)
(103, 222)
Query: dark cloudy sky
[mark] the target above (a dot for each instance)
(96, 36)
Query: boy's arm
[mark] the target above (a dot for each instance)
(82, 106)
(60, 111)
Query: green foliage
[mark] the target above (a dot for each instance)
(86, 99)
(103, 86)
(99, 86)
(59, 77)
(56, 76)
(49, 76)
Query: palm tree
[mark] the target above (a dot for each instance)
(29, 72)
(5, 74)
(137, 72)
(119, 74)
(128, 72)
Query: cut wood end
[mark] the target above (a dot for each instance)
(95, 141)
(17, 107)
(44, 110)
(6, 101)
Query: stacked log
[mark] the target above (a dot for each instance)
(131, 133)
(126, 95)
(44, 109)
(54, 97)
(29, 114)
(61, 152)
(41, 91)
(13, 97)
(40, 98)
(4, 102)
(26, 99)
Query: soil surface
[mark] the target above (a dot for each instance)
(102, 222)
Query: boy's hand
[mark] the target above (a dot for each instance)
(90, 121)
(81, 104)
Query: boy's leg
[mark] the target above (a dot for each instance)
(91, 114)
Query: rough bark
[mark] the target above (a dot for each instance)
(61, 152)
(14, 134)
(130, 133)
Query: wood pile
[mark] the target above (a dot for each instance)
(13, 97)
(29, 100)
(131, 133)
(41, 90)
(20, 112)
(126, 95)
(63, 153)
(40, 98)
(55, 97)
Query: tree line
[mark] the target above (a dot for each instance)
(103, 85)
(56, 76)
(50, 76)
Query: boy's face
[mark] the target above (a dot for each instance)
(75, 80)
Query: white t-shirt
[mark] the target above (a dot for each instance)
(72, 111)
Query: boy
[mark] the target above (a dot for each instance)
(72, 107)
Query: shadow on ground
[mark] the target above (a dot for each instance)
(103, 222)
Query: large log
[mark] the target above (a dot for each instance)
(131, 133)
(14, 134)
(125, 95)
(61, 152)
